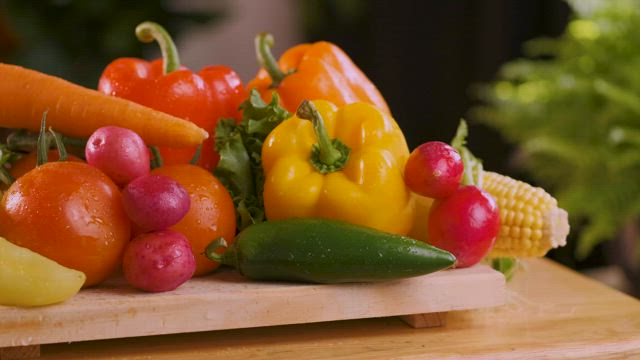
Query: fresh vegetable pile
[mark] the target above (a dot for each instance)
(303, 175)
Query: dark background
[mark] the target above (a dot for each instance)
(426, 56)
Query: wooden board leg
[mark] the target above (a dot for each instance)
(20, 352)
(425, 320)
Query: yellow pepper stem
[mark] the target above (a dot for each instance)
(327, 155)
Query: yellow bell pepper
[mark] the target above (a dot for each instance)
(356, 177)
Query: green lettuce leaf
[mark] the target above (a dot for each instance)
(240, 149)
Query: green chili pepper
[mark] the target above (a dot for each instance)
(327, 251)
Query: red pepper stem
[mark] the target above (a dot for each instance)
(150, 31)
(264, 41)
(327, 155)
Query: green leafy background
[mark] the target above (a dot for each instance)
(573, 108)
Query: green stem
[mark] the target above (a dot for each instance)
(44, 142)
(62, 152)
(467, 175)
(196, 156)
(211, 250)
(22, 140)
(264, 41)
(149, 31)
(473, 168)
(156, 157)
(328, 153)
(5, 177)
(478, 170)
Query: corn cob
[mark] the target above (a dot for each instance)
(531, 223)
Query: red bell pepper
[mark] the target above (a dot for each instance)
(165, 85)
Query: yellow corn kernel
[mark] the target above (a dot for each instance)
(531, 223)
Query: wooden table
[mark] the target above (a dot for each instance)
(552, 313)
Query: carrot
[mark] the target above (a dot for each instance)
(77, 111)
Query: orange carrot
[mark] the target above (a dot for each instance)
(77, 111)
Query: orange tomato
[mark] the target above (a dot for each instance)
(28, 162)
(71, 213)
(211, 215)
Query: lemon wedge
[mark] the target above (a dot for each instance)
(30, 279)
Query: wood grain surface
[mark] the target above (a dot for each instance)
(226, 300)
(551, 313)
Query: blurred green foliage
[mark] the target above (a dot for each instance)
(573, 108)
(76, 39)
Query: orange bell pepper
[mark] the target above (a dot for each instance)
(320, 71)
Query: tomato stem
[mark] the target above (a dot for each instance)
(43, 142)
(22, 140)
(5, 177)
(156, 158)
(150, 31)
(62, 152)
(196, 156)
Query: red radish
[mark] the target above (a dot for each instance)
(465, 224)
(118, 152)
(155, 202)
(434, 169)
(158, 261)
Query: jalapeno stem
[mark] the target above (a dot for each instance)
(327, 155)
(228, 257)
(150, 31)
(264, 41)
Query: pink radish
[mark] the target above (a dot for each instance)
(465, 224)
(118, 152)
(434, 169)
(158, 261)
(155, 202)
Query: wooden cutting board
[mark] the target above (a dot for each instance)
(225, 300)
